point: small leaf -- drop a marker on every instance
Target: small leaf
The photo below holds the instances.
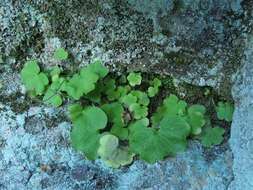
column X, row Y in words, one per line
column 212, row 136
column 134, row 79
column 33, row 79
column 196, row 118
column 53, row 93
column 60, row 54
column 152, row 91
column 156, row 83
column 55, row 72
column 142, row 97
column 171, row 106
column 129, row 99
column 225, row 111
column 113, row 155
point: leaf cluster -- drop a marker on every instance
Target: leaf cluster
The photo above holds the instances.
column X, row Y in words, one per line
column 111, row 114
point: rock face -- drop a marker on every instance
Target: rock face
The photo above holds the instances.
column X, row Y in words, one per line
column 242, row 131
column 35, row 154
column 202, row 42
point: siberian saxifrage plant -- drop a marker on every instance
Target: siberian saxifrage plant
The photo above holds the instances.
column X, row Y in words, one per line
column 111, row 115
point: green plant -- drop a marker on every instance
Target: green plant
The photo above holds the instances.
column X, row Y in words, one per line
column 87, row 123
column 225, row 111
column 112, row 116
column 212, row 136
column 134, row 79
column 33, row 79
column 154, row 89
column 113, row 154
column 154, row 144
column 60, row 54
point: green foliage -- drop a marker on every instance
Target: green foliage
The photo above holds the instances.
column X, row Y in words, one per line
column 33, row 79
column 171, row 106
column 53, row 95
column 115, row 111
column 225, row 111
column 138, row 111
column 84, row 82
column 196, row 118
column 85, row 134
column 153, row 145
column 134, row 79
column 154, row 89
column 60, row 54
column 129, row 100
column 212, row 136
column 112, row 154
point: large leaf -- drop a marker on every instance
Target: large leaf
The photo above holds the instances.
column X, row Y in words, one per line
column 153, row 145
column 85, row 133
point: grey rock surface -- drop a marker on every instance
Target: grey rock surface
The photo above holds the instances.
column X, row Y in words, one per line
column 35, row 154
column 199, row 42
column 242, row 127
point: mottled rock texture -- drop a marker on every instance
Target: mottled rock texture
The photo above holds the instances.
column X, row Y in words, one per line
column 242, row 128
column 201, row 42
column 35, row 154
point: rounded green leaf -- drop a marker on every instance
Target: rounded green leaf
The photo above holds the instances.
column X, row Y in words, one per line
column 98, row 68
column 138, row 111
column 32, row 78
column 175, row 127
column 113, row 155
column 142, row 97
column 134, row 79
column 129, row 99
column 108, row 145
column 152, row 91
column 225, row 111
column 85, row 133
column 86, row 141
column 95, row 117
column 60, row 54
column 196, row 118
column 212, row 136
